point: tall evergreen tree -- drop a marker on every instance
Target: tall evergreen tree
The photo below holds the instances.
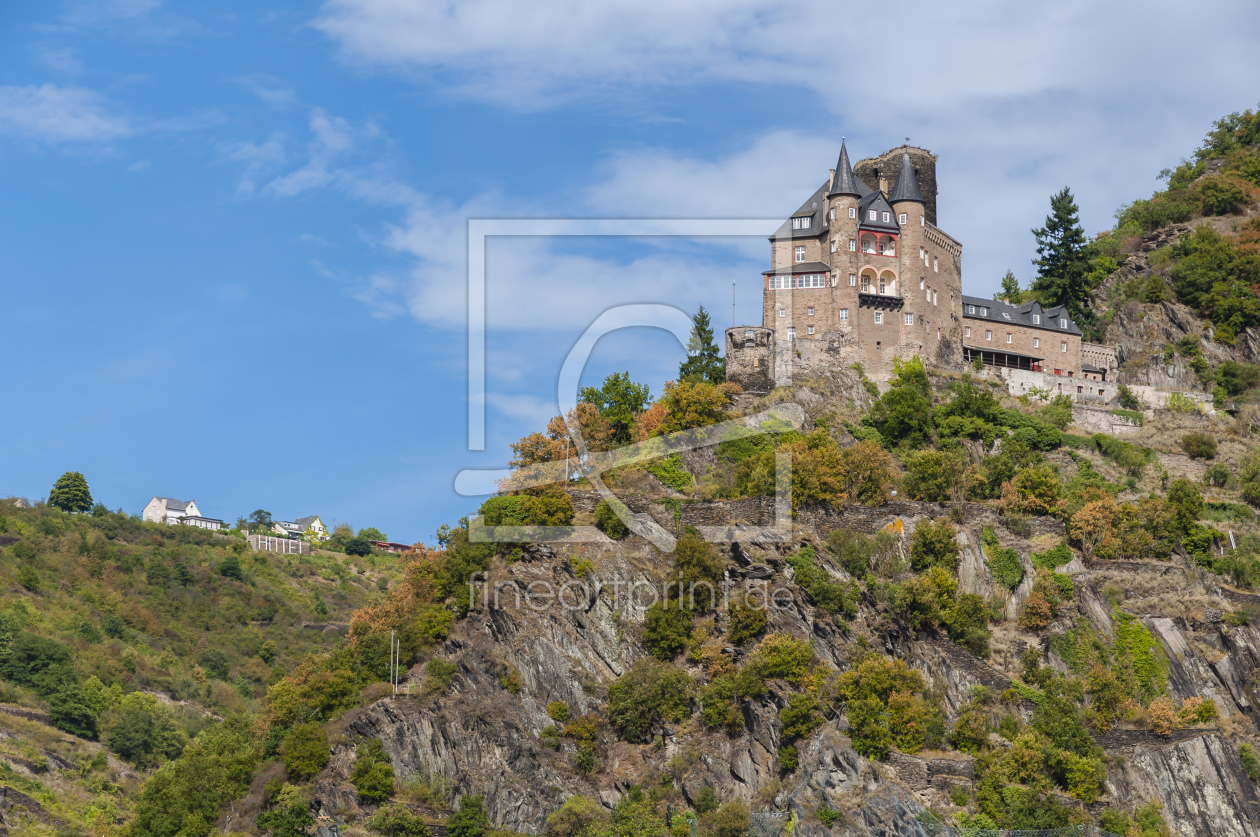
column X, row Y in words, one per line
column 703, row 364
column 1011, row 291
column 70, row 493
column 1061, row 263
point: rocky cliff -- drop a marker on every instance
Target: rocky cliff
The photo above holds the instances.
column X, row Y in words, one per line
column 487, row 738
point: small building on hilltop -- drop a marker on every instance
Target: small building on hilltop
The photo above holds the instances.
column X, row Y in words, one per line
column 170, row 511
column 304, row 528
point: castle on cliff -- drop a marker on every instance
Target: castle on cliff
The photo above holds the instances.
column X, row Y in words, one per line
column 861, row 273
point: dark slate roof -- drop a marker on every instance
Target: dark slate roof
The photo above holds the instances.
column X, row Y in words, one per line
column 1085, row 367
column 816, row 208
column 803, row 267
column 863, row 189
column 1001, row 312
column 305, row 522
column 175, row 505
column 845, row 183
column 877, row 202
column 907, row 186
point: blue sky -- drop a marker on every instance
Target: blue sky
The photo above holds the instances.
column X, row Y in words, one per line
column 232, row 235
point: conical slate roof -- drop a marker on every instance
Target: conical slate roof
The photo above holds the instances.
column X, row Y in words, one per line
column 907, row 186
column 844, row 182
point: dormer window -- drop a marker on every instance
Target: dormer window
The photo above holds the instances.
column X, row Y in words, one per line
column 971, row 309
column 801, row 223
column 887, row 215
column 1036, row 319
column 984, row 312
column 1005, row 316
column 1062, row 323
column 872, row 215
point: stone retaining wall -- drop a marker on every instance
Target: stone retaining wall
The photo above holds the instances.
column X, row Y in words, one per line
column 1127, row 739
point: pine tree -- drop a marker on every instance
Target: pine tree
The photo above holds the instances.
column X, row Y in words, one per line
column 703, row 364
column 1010, row 290
column 1061, row 262
column 70, row 493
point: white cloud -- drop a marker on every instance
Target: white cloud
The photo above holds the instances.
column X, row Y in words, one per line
column 59, row 59
column 934, row 57
column 270, row 91
column 51, row 113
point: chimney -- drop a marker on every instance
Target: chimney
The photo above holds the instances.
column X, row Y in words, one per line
column 831, row 179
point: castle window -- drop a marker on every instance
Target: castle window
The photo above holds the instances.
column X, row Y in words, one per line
column 878, row 346
column 921, row 283
column 909, row 319
column 887, row 217
column 852, row 245
column 1063, row 346
column 811, row 329
column 782, row 312
column 971, row 309
column 934, row 297
column 1036, row 342
column 750, row 340
column 936, row 265
column 844, row 314
column 887, row 245
column 967, row 329
column 779, row 283
column 872, row 215
column 801, row 223
column 984, row 312
column 879, row 318
column 852, row 279
column 853, row 212
column 1009, row 337
column 866, row 285
column 811, row 311
column 868, row 244
column 810, row 280
column 922, row 221
column 800, row 254
column 883, row 286
column 833, row 214
column 791, row 333
column 901, row 219
column 922, row 253
column 834, row 242
column 1062, row 323
column 988, row 335
column 1036, row 319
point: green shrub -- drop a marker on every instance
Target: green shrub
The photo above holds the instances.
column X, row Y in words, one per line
column 801, row 716
column 1199, row 445
column 471, row 820
column 373, row 774
column 746, row 622
column 1132, row 415
column 671, row 473
column 305, row 750
column 666, row 629
column 438, row 676
column 789, row 758
column 1052, row 558
column 931, row 475
column 706, row 800
column 935, row 544
column 290, row 819
column 558, row 711
column 1128, row 399
column 575, row 817
column 397, row 821
column 606, row 521
column 1006, row 567
column 650, row 692
column 1250, row 761
column 1217, row 475
column 833, row 597
column 780, row 656
column 143, row 730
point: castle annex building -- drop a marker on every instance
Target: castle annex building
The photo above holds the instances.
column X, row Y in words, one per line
column 861, row 273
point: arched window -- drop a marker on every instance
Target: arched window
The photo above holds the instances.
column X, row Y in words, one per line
column 887, row 245
column 888, row 283
column 868, row 243
column 867, row 277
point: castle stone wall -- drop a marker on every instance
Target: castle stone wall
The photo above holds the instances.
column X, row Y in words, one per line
column 750, row 354
column 881, row 172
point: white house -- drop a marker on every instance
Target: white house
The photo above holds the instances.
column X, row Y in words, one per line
column 304, row 528
column 169, row 511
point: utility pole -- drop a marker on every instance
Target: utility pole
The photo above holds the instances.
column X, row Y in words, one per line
column 732, row 303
